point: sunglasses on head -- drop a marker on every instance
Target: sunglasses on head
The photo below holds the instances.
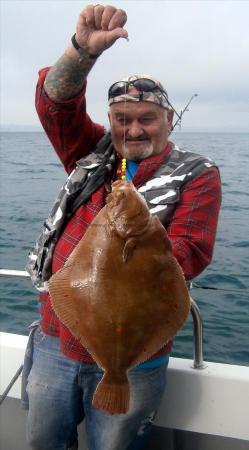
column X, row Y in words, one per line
column 141, row 84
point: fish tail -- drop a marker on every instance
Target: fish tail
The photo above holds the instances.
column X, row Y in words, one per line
column 112, row 397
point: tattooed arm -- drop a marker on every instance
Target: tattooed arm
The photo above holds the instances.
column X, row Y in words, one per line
column 97, row 29
column 60, row 92
column 66, row 78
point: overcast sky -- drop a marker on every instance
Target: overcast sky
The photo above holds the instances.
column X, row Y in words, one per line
column 190, row 46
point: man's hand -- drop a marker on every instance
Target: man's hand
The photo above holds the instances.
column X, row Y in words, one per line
column 97, row 29
column 99, row 26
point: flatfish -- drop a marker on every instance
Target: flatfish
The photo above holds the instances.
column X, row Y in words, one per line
column 121, row 293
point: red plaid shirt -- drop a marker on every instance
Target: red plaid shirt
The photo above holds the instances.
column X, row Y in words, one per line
column 192, row 229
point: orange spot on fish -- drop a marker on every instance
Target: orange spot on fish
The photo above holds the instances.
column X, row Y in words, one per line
column 119, row 329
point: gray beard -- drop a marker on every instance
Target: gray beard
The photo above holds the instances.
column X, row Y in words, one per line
column 137, row 156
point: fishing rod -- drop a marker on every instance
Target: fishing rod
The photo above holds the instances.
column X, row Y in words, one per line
column 179, row 115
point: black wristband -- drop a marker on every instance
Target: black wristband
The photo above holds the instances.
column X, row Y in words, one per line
column 81, row 50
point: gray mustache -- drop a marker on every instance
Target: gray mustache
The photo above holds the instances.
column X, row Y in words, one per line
column 137, row 139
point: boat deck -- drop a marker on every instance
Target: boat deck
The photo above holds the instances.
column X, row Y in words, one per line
column 12, row 432
column 204, row 409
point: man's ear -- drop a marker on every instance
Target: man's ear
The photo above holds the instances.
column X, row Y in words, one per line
column 170, row 116
column 109, row 117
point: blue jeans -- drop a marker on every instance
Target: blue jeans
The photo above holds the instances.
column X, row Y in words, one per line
column 60, row 392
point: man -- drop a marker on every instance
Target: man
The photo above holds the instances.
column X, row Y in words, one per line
column 183, row 189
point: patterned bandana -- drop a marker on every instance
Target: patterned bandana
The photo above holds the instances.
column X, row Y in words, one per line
column 158, row 97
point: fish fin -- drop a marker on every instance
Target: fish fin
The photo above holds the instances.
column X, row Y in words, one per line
column 63, row 302
column 129, row 247
column 112, row 398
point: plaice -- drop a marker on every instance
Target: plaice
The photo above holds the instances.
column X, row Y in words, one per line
column 121, row 293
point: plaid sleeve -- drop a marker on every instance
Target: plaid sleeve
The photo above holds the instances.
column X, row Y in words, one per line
column 67, row 125
column 192, row 230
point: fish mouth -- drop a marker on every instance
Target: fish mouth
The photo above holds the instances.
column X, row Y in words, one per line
column 115, row 198
column 131, row 218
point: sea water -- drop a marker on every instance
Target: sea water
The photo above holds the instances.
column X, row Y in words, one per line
column 31, row 176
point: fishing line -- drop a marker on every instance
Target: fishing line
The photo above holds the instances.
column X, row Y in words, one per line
column 126, row 90
column 123, row 159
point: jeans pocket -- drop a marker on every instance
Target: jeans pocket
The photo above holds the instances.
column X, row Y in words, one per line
column 39, row 337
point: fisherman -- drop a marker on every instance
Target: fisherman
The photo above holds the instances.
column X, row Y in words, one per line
column 182, row 188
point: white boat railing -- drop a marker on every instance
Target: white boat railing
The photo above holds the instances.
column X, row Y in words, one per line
column 198, row 362
column 14, row 273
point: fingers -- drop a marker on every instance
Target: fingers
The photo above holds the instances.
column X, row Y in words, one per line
column 104, row 18
column 113, row 18
column 98, row 13
column 88, row 16
column 99, row 26
column 108, row 12
column 118, row 19
column 115, row 34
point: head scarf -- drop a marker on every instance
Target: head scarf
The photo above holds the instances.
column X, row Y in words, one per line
column 159, row 97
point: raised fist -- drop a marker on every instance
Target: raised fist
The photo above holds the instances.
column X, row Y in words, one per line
column 99, row 26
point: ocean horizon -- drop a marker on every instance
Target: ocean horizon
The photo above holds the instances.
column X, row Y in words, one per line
column 14, row 128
